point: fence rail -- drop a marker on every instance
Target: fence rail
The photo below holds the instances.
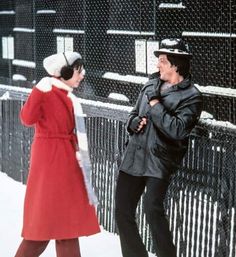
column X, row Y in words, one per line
column 200, row 203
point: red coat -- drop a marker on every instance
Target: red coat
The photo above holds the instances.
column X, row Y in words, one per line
column 56, row 203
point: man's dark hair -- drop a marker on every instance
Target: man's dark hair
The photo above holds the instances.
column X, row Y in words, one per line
column 182, row 63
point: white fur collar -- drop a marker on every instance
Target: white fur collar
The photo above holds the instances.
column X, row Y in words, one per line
column 59, row 84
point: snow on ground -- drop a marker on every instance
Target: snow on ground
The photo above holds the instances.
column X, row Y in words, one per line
column 104, row 244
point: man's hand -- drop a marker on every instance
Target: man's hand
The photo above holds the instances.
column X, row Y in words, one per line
column 153, row 97
column 142, row 124
column 153, row 102
column 137, row 124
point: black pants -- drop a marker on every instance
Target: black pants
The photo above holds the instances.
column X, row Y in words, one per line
column 128, row 192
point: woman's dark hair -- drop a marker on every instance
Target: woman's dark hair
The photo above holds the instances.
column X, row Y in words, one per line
column 182, row 63
column 77, row 64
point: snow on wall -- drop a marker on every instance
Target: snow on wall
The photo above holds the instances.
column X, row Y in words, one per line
column 172, row 6
column 27, row 30
column 45, row 11
column 24, row 63
column 206, row 118
column 7, row 12
column 208, row 34
column 68, row 31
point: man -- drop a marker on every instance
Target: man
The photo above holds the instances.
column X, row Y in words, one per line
column 159, row 125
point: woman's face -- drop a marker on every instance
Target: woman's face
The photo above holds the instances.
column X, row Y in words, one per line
column 77, row 77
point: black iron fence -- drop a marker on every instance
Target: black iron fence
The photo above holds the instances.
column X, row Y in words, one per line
column 117, row 39
column 200, row 203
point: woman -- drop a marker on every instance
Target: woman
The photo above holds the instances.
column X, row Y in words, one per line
column 56, row 202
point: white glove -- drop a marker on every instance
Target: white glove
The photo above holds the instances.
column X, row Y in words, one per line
column 44, row 85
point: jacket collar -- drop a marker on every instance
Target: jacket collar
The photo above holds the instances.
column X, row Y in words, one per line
column 59, row 84
column 182, row 85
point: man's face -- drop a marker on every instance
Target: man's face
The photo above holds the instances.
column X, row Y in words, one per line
column 166, row 69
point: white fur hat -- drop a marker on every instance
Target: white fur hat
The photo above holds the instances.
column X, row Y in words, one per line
column 54, row 63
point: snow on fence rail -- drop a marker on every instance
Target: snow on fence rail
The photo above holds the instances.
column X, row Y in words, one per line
column 200, row 203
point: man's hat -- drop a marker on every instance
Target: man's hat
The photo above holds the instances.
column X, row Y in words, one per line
column 173, row 46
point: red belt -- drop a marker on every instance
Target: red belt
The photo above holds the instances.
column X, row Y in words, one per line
column 72, row 137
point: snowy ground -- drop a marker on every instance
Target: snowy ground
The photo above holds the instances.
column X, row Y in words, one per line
column 104, row 244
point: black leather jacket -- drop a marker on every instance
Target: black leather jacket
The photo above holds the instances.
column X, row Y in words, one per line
column 159, row 150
